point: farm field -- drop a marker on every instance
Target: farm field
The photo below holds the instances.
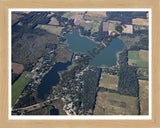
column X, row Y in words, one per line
column 87, row 25
column 68, row 15
column 53, row 21
column 78, row 19
column 17, row 68
column 51, row 29
column 143, row 54
column 108, row 103
column 140, row 21
column 19, row 85
column 50, row 14
column 105, row 26
column 133, row 55
column 111, row 27
column 96, row 14
column 138, row 58
column 109, row 81
column 128, row 29
column 16, row 17
column 95, row 27
column 143, row 94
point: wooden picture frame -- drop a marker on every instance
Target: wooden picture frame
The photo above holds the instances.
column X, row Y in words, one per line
column 4, row 63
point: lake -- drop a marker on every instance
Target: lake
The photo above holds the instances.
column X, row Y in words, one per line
column 51, row 79
column 107, row 56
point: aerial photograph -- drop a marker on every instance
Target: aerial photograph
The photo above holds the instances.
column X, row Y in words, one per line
column 79, row 63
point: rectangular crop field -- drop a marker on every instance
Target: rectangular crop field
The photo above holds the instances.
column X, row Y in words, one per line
column 143, row 54
column 134, row 55
column 19, row 85
column 143, row 94
column 109, row 81
column 108, row 103
column 138, row 58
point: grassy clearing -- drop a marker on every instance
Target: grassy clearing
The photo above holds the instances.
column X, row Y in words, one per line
column 67, row 15
column 137, row 58
column 109, row 81
column 87, row 26
column 143, row 94
column 112, row 27
column 51, row 29
column 134, row 55
column 95, row 27
column 115, row 104
column 142, row 64
column 63, row 55
column 138, row 63
column 19, row 85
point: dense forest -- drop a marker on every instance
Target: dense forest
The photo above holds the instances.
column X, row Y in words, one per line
column 142, row 44
column 125, row 17
column 128, row 82
column 89, row 90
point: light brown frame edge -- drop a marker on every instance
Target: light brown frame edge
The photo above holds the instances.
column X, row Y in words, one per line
column 6, row 4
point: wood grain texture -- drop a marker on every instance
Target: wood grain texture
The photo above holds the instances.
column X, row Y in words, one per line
column 6, row 4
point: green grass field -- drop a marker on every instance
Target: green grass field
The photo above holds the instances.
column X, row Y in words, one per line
column 19, row 85
column 112, row 27
column 133, row 55
column 95, row 27
column 134, row 59
column 67, row 15
column 142, row 63
column 51, row 29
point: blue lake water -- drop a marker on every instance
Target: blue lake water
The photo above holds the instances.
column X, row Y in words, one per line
column 51, row 79
column 107, row 56
column 77, row 43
